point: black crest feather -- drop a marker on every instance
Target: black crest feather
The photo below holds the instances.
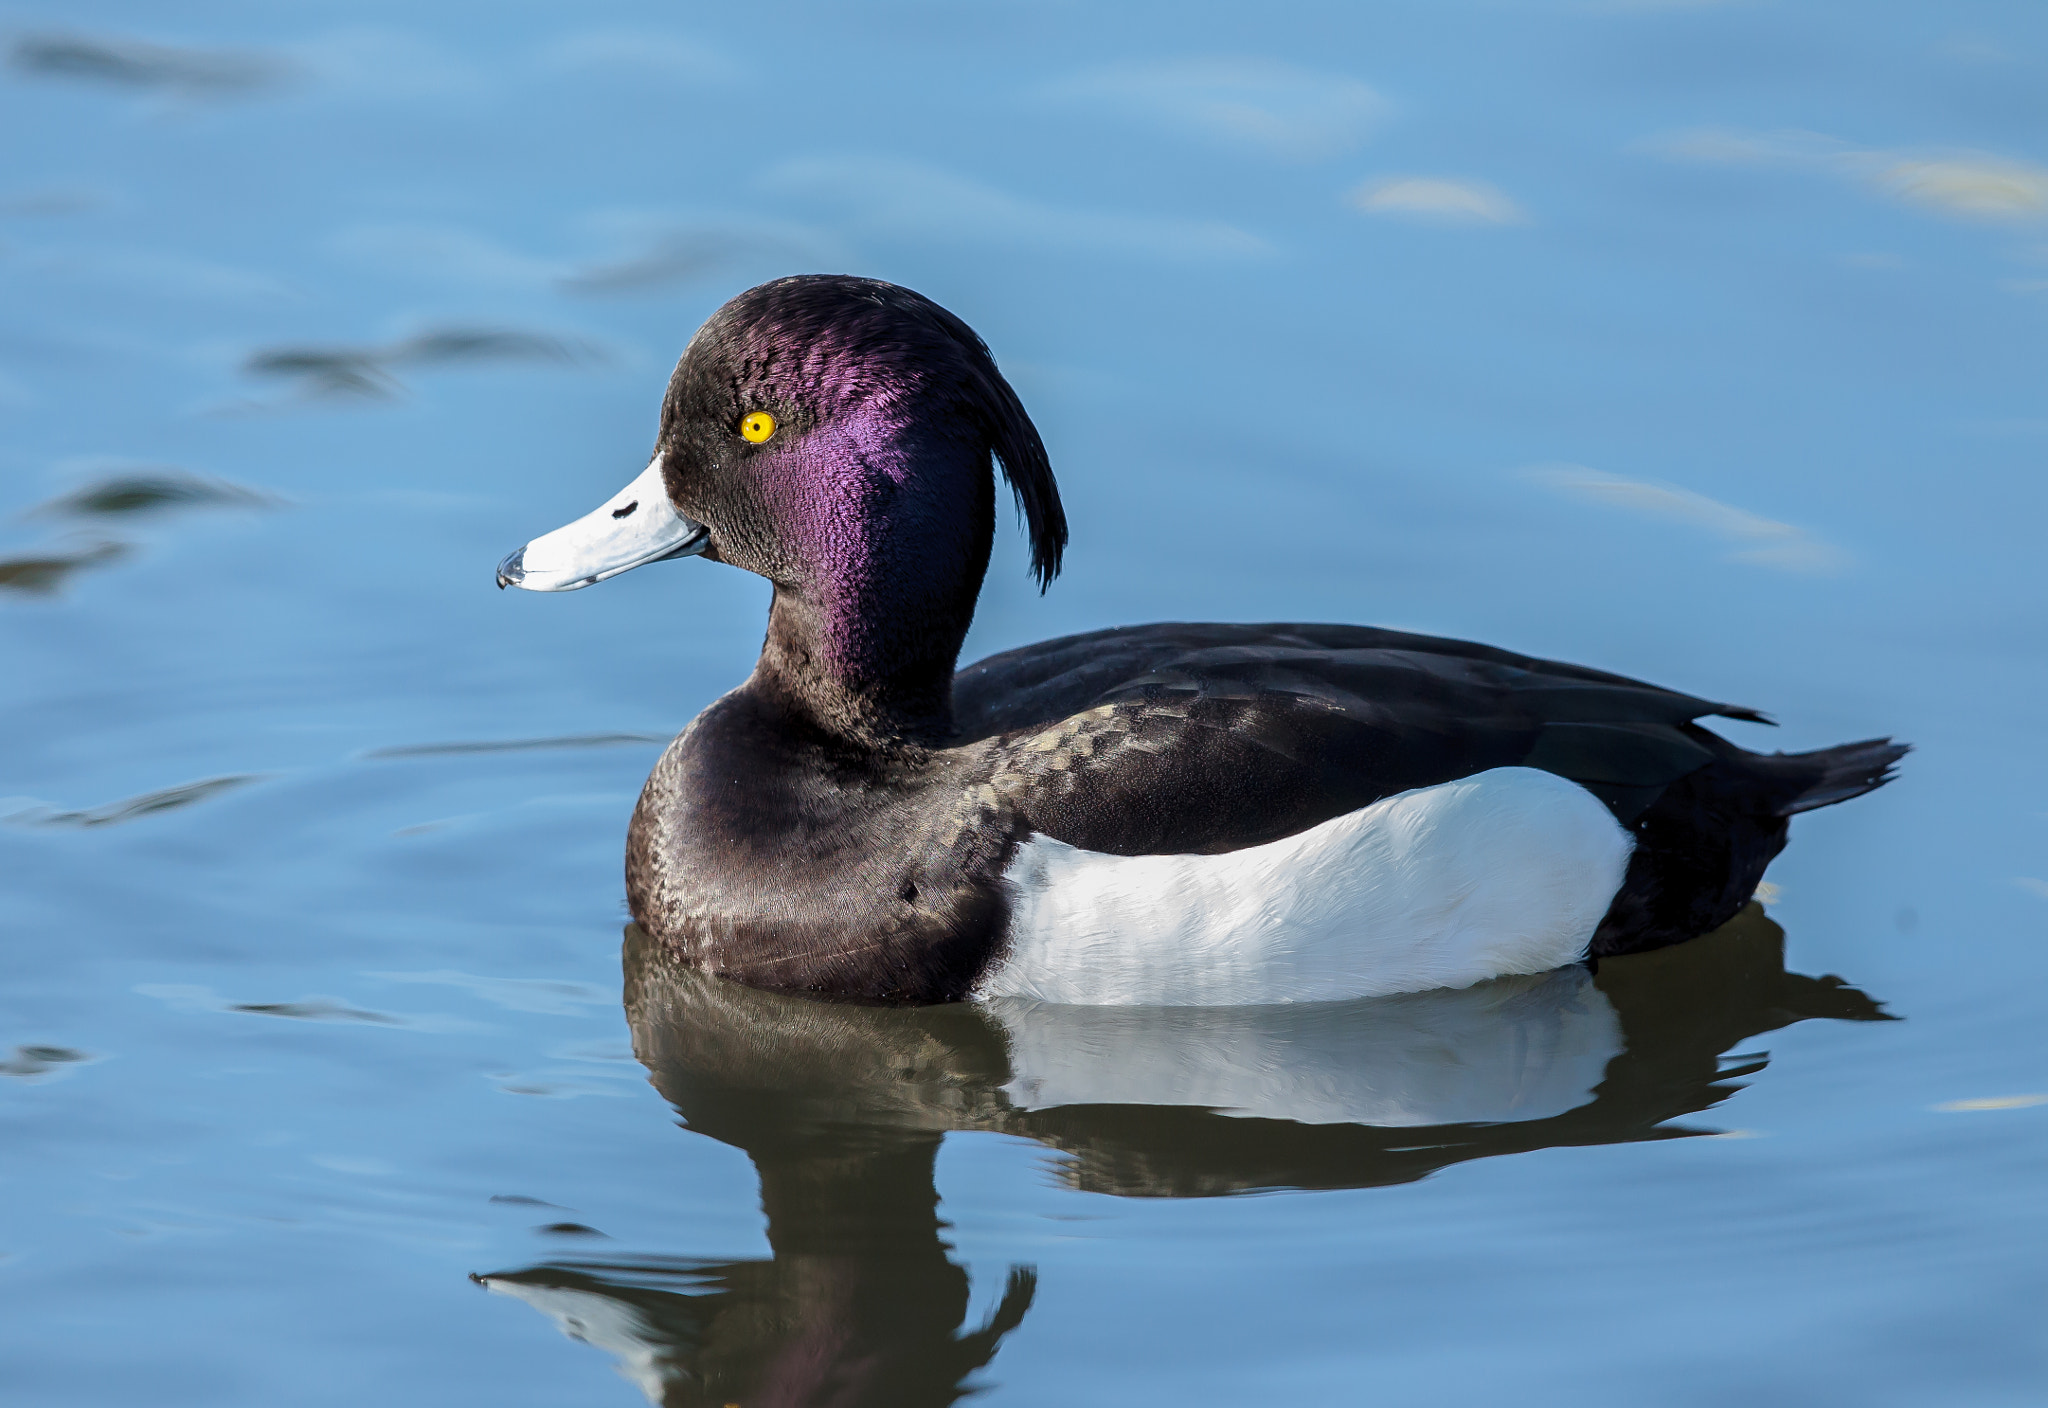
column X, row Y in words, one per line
column 1014, row 439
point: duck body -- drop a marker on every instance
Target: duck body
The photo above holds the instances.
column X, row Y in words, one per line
column 1112, row 823
column 1207, row 814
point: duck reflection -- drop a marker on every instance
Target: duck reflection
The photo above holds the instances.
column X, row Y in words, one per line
column 842, row 1109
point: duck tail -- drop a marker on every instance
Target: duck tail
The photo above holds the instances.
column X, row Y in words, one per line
column 1831, row 775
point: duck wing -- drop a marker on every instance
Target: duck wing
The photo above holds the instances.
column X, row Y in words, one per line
column 1211, row 737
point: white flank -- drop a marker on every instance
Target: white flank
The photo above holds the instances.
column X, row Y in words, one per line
column 1520, row 1048
column 1507, row 871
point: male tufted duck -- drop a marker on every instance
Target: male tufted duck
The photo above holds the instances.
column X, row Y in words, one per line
column 1168, row 814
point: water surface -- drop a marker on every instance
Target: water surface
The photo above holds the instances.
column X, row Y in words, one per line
column 1700, row 342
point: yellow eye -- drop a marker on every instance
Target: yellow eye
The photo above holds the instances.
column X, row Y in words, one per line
column 757, row 427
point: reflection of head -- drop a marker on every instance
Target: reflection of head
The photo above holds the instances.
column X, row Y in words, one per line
column 842, row 1108
column 701, row 1334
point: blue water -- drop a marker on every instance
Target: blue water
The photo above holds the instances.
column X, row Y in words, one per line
column 1700, row 342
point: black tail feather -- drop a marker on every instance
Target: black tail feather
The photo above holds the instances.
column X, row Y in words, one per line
column 1843, row 772
column 1702, row 846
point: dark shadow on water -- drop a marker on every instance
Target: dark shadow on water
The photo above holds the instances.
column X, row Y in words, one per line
column 136, row 63
column 314, row 1009
column 151, row 490
column 35, row 1062
column 132, row 494
column 42, row 573
column 370, row 371
column 842, row 1109
column 129, row 808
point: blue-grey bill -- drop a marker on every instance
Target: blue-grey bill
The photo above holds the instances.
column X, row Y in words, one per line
column 634, row 527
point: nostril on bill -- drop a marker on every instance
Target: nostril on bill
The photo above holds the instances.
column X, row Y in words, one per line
column 622, row 512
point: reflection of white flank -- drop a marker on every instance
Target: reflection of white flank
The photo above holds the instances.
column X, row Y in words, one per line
column 614, row 1326
column 1518, row 1048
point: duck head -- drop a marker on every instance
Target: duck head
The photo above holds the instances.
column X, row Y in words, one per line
column 834, row 435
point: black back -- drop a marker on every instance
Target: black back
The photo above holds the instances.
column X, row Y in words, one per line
column 1223, row 736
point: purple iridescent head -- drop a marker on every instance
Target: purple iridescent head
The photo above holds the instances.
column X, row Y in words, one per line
column 836, row 436
column 886, row 409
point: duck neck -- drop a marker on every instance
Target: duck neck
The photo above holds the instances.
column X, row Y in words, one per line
column 892, row 534
column 876, row 687
column 867, row 657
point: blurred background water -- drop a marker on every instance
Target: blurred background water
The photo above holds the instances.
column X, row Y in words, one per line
column 1702, row 342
